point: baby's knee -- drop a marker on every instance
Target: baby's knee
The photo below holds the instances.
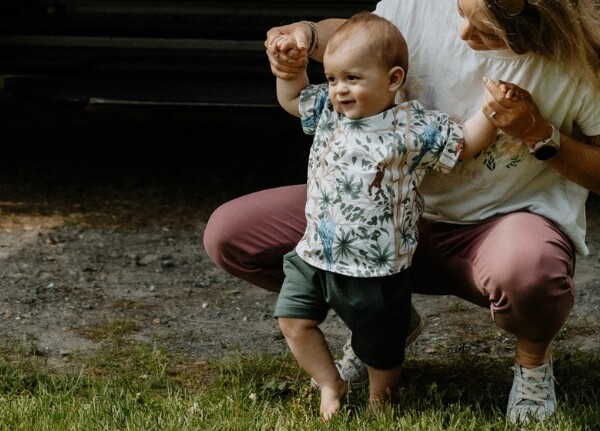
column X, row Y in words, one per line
column 293, row 328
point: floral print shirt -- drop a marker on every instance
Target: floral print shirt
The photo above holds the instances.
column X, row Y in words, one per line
column 363, row 201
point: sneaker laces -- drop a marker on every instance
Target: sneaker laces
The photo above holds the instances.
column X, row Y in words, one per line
column 532, row 386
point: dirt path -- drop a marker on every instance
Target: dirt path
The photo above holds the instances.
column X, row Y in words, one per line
column 101, row 220
column 67, row 283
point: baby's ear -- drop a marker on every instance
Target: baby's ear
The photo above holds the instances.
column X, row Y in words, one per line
column 396, row 78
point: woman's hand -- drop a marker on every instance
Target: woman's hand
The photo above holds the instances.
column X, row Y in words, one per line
column 512, row 110
column 286, row 49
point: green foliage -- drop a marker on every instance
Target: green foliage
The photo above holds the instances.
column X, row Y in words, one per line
column 134, row 387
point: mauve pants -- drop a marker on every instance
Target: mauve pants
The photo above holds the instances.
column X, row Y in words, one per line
column 519, row 265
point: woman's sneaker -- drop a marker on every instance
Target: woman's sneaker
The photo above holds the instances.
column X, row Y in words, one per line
column 532, row 395
column 354, row 371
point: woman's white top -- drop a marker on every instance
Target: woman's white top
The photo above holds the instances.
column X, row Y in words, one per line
column 446, row 75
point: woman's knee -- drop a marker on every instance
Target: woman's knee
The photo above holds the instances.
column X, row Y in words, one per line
column 529, row 276
column 248, row 236
column 532, row 259
column 220, row 233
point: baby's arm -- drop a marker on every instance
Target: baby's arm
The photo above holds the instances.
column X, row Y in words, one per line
column 288, row 90
column 478, row 133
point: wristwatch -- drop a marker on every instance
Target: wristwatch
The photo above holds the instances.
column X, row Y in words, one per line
column 547, row 148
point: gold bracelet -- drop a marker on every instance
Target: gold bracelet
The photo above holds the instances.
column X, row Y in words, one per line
column 314, row 38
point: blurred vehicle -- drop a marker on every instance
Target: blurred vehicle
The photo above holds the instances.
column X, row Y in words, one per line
column 148, row 52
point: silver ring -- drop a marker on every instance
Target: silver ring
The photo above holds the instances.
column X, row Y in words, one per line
column 491, row 114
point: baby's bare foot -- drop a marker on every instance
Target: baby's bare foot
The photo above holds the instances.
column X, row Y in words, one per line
column 378, row 405
column 331, row 397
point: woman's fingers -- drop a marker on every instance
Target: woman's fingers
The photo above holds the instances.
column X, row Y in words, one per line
column 296, row 34
column 496, row 91
column 511, row 108
column 285, row 67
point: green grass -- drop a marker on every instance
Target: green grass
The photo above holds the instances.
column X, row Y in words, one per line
column 134, row 387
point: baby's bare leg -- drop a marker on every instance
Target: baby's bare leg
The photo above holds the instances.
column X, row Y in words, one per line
column 308, row 345
column 382, row 384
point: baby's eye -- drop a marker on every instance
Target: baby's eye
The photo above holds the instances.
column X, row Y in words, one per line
column 352, row 78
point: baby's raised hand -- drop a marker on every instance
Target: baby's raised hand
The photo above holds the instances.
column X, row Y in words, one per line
column 284, row 43
column 510, row 108
column 513, row 92
column 286, row 58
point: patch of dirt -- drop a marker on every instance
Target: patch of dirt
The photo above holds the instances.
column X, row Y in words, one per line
column 82, row 260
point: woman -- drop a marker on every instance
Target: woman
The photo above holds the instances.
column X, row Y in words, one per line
column 501, row 231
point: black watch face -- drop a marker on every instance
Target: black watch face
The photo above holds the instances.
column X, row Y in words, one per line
column 546, row 152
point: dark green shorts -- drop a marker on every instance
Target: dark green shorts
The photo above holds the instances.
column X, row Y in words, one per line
column 376, row 310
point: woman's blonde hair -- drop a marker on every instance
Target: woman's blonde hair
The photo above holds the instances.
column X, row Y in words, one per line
column 563, row 31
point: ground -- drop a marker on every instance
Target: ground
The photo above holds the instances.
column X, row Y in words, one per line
column 101, row 220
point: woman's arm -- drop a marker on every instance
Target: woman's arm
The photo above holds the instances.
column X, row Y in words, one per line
column 578, row 161
column 325, row 29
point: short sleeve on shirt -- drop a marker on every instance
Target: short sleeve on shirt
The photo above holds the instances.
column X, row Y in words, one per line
column 312, row 102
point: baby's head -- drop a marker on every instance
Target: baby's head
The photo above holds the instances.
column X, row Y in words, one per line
column 382, row 40
column 365, row 64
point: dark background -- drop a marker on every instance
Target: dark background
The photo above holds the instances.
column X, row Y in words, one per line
column 56, row 156
column 151, row 103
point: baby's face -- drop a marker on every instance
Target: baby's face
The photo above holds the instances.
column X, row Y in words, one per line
column 358, row 86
